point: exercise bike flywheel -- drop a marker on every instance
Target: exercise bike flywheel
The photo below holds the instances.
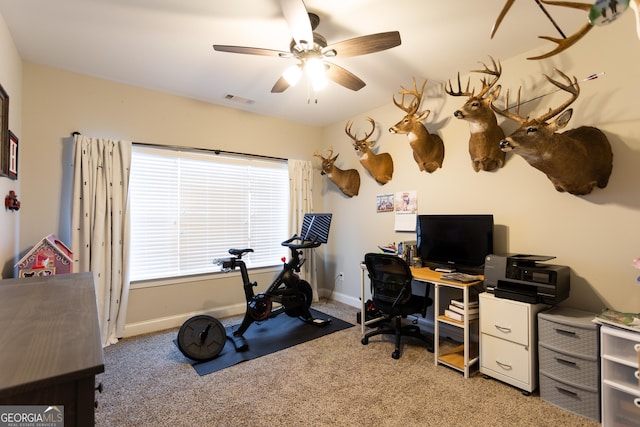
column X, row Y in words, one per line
column 201, row 338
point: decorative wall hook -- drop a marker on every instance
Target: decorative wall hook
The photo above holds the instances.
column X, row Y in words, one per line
column 11, row 201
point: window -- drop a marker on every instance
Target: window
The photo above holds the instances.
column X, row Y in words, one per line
column 188, row 208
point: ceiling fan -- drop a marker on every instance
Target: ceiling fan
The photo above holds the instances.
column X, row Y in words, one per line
column 311, row 52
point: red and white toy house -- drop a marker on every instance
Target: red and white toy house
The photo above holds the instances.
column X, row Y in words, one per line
column 50, row 256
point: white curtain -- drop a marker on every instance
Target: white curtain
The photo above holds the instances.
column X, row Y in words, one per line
column 301, row 202
column 100, row 226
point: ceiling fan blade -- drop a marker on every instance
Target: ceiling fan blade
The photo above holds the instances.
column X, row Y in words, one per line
column 365, row 44
column 344, row 78
column 252, row 51
column 295, row 13
column 280, row 86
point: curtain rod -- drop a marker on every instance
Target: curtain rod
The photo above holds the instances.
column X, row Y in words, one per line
column 206, row 150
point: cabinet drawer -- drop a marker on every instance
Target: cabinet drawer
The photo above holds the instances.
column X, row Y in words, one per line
column 573, row 370
column 504, row 319
column 621, row 346
column 621, row 409
column 623, row 375
column 570, row 397
column 568, row 338
column 506, row 358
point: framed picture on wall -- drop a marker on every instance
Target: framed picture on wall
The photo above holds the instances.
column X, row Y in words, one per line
column 13, row 156
column 4, row 132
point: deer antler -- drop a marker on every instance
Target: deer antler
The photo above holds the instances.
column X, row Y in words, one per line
column 413, row 107
column 355, row 138
column 572, row 87
column 496, row 72
column 505, row 112
column 564, row 44
column 459, row 92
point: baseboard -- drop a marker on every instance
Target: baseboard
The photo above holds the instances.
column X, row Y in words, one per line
column 176, row 321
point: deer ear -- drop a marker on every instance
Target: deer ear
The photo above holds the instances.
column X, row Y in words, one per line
column 422, row 116
column 335, row 157
column 562, row 120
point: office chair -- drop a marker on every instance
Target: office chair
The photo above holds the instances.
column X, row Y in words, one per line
column 391, row 293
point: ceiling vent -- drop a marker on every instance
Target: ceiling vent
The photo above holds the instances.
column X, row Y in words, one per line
column 239, row 99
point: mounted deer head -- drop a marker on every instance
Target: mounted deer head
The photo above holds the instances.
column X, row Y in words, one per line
column 348, row 181
column 486, row 134
column 576, row 160
column 566, row 42
column 428, row 149
column 379, row 166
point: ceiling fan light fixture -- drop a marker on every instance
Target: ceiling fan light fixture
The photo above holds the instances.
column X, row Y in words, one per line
column 315, row 70
column 292, row 74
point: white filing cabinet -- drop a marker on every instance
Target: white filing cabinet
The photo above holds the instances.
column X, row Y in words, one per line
column 620, row 388
column 508, row 341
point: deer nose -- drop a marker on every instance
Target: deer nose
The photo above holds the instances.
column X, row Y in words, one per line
column 504, row 145
column 458, row 114
column 392, row 130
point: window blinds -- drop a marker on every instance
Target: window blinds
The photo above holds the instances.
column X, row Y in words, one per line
column 188, row 208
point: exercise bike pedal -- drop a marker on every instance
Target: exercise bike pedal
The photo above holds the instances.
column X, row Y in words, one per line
column 318, row 322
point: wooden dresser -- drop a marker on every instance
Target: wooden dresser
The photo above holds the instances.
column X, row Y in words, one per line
column 50, row 347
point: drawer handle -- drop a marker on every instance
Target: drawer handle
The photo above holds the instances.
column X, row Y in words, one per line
column 637, row 348
column 636, row 402
column 504, row 365
column 502, row 328
column 565, row 391
column 637, row 375
column 564, row 331
column 565, row 361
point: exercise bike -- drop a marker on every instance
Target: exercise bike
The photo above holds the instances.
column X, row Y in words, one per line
column 203, row 337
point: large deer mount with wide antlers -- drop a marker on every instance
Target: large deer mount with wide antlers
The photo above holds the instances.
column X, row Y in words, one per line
column 486, row 134
column 428, row 149
column 347, row 180
column 575, row 160
column 379, row 166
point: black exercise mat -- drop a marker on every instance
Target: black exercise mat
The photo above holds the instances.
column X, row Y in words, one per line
column 269, row 336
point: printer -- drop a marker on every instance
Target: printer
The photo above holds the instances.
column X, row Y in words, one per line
column 526, row 278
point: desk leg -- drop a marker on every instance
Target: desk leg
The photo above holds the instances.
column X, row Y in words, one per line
column 465, row 331
column 436, row 326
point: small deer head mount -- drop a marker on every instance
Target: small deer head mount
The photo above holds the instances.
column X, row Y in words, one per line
column 486, row 134
column 348, row 181
column 574, row 161
column 428, row 149
column 379, row 166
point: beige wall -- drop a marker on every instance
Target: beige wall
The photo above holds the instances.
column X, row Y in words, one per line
column 11, row 81
column 596, row 235
column 58, row 103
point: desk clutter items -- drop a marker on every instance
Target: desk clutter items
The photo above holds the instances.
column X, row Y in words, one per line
column 456, row 310
column 48, row 257
column 629, row 321
column 456, row 276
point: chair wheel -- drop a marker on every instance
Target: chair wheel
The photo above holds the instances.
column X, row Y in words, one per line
column 364, row 341
column 395, row 355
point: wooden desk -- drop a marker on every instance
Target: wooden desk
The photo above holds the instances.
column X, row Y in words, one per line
column 50, row 347
column 465, row 355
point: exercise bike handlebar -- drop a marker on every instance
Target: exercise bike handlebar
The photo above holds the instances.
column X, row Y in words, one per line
column 304, row 244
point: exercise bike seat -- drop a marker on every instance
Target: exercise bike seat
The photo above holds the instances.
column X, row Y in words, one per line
column 239, row 252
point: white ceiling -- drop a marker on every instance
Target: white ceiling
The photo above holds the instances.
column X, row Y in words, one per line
column 166, row 45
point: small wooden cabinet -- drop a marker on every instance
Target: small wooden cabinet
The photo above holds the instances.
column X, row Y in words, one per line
column 50, row 347
column 508, row 341
column 620, row 351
